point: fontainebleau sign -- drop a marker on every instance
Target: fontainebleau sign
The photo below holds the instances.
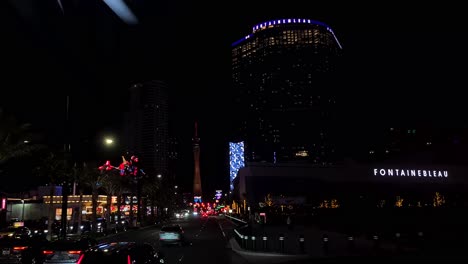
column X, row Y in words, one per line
column 411, row 173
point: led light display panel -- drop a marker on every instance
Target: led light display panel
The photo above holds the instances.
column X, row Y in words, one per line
column 236, row 160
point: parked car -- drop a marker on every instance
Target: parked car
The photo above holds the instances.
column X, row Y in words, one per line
column 16, row 232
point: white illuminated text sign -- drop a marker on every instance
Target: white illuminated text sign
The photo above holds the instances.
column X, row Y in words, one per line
column 411, row 173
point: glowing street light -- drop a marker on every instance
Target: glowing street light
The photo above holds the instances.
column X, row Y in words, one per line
column 108, row 141
column 159, row 176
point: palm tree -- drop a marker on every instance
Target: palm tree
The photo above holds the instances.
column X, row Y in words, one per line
column 122, row 188
column 80, row 181
column 15, row 138
column 152, row 189
column 55, row 170
column 112, row 185
column 94, row 179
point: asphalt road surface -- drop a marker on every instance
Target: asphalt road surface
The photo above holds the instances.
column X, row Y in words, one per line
column 207, row 241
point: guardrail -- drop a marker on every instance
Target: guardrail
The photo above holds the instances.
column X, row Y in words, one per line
column 236, row 219
column 282, row 243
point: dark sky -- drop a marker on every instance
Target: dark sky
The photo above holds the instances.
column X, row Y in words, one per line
column 401, row 62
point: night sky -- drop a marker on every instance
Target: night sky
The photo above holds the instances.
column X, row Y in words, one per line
column 401, row 63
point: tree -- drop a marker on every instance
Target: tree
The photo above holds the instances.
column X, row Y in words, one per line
column 80, row 178
column 152, row 188
column 15, row 138
column 55, row 170
column 438, row 200
column 269, row 200
column 94, row 179
column 112, row 185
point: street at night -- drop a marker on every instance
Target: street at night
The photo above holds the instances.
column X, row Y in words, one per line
column 206, row 241
column 142, row 131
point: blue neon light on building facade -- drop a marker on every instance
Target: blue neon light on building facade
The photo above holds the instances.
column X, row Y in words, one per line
column 236, row 160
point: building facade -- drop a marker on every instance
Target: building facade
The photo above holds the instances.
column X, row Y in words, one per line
column 147, row 126
column 352, row 186
column 282, row 76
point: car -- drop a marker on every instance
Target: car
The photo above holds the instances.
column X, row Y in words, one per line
column 171, row 234
column 20, row 250
column 122, row 252
column 7, row 232
column 65, row 251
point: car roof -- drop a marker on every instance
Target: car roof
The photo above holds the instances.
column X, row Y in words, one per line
column 112, row 246
column 115, row 252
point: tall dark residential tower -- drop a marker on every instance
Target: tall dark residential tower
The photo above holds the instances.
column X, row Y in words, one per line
column 197, row 188
column 173, row 157
column 282, row 75
column 147, row 127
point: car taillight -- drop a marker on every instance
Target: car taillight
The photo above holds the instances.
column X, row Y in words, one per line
column 74, row 252
column 19, row 248
column 47, row 252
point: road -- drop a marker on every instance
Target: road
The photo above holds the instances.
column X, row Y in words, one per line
column 207, row 241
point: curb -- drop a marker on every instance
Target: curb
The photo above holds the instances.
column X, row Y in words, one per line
column 236, row 248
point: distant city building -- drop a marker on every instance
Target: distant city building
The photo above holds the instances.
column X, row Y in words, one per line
column 173, row 157
column 146, row 126
column 284, row 103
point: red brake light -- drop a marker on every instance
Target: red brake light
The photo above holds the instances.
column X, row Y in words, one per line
column 47, row 252
column 19, row 248
column 74, row 252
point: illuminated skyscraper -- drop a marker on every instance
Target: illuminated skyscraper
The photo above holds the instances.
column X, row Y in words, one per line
column 147, row 126
column 283, row 76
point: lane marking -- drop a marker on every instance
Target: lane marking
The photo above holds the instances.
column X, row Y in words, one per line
column 222, row 231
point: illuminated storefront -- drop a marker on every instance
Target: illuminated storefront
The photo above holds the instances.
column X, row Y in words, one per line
column 86, row 206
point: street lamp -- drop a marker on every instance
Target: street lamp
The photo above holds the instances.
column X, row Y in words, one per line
column 159, row 176
column 108, row 141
